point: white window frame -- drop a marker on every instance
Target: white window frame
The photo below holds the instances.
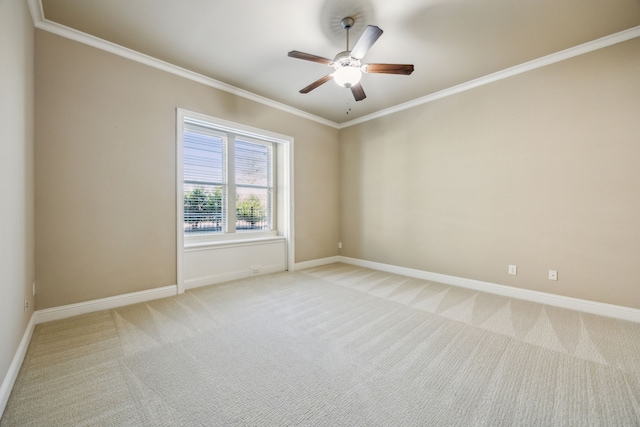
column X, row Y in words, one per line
column 283, row 226
column 229, row 138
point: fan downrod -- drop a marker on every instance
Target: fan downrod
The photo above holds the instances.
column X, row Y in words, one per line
column 347, row 23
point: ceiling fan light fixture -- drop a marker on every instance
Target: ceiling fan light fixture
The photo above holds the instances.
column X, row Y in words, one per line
column 347, row 76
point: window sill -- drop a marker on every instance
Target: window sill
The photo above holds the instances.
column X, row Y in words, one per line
column 249, row 241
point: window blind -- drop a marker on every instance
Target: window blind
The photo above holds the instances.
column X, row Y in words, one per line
column 205, row 184
column 228, row 181
column 253, row 185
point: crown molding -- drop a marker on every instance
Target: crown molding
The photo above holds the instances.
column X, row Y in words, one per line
column 39, row 21
column 37, row 13
column 591, row 46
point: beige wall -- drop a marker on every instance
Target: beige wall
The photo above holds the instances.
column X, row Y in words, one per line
column 537, row 170
column 16, row 177
column 541, row 170
column 105, row 171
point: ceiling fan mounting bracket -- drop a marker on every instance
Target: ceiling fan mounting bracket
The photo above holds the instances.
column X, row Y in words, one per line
column 347, row 22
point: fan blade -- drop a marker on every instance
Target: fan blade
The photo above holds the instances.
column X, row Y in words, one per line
column 405, row 69
column 309, row 57
column 366, row 40
column 358, row 92
column 317, row 83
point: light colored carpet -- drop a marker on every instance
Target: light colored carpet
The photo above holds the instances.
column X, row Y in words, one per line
column 331, row 346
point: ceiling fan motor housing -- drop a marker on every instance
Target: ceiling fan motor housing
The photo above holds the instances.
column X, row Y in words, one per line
column 344, row 59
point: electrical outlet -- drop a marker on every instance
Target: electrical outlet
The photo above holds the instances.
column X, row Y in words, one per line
column 255, row 270
column 553, row 275
column 513, row 269
column 26, row 304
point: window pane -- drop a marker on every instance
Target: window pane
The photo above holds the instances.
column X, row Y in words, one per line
column 203, row 209
column 253, row 164
column 253, row 186
column 203, row 157
column 204, row 181
column 253, row 208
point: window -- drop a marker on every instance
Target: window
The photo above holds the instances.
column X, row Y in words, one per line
column 234, row 200
column 228, row 180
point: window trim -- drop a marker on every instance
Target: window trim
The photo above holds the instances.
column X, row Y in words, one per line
column 283, row 224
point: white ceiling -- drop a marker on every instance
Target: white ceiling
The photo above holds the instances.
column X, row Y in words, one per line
column 244, row 43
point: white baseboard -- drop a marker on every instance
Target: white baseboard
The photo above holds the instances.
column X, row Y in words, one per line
column 56, row 313
column 16, row 364
column 227, row 277
column 316, row 262
column 593, row 307
column 62, row 312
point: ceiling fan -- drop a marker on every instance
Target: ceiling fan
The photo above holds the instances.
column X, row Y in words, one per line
column 348, row 65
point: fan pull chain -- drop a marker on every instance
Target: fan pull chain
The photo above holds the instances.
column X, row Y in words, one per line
column 348, row 103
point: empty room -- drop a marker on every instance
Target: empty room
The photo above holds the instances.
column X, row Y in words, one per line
column 320, row 213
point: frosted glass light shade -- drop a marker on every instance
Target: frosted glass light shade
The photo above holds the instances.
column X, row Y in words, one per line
column 347, row 76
